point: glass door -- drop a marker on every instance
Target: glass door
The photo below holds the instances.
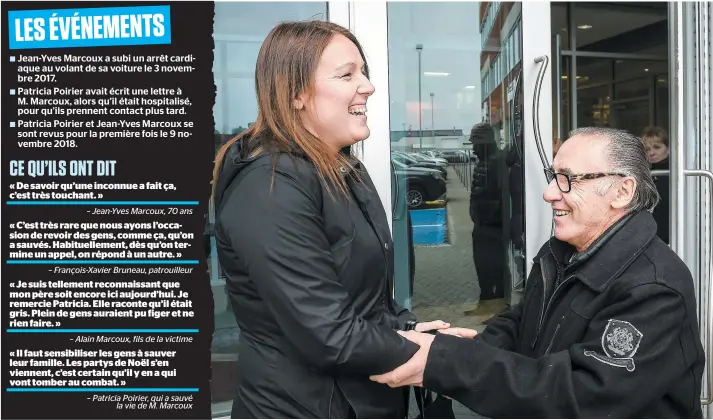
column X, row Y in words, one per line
column 452, row 149
column 691, row 102
column 612, row 70
column 239, row 30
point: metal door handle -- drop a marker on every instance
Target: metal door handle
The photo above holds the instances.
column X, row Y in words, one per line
column 513, row 111
column 709, row 315
column 536, row 109
column 396, row 199
column 558, row 88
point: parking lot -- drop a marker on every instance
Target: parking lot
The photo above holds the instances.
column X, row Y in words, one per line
column 446, row 283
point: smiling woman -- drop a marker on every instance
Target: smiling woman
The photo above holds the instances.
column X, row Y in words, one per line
column 337, row 103
column 239, row 29
column 308, row 99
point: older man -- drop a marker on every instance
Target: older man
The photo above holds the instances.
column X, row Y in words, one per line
column 607, row 326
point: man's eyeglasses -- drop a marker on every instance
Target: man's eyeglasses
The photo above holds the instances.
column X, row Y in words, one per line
column 564, row 181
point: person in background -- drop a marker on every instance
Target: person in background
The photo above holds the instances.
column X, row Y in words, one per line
column 656, row 141
column 608, row 327
column 516, row 183
column 486, row 212
column 304, row 241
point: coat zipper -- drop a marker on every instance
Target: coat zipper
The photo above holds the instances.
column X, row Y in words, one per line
column 331, row 397
column 335, row 384
column 549, row 346
column 384, row 250
column 547, row 308
column 544, row 298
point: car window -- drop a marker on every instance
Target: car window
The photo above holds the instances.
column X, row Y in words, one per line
column 399, row 164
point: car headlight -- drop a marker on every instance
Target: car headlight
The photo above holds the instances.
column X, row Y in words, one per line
column 436, row 175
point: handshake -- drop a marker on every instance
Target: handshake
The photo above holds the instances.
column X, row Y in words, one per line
column 411, row 373
column 442, row 327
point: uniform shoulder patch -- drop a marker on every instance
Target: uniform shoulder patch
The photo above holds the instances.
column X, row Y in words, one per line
column 620, row 342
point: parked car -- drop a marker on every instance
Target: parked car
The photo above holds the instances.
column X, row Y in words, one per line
column 418, row 157
column 414, row 163
column 422, row 184
column 458, row 156
column 428, row 158
column 434, row 153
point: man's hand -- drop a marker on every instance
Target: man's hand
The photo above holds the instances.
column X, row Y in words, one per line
column 410, row 373
column 459, row 332
column 432, row 325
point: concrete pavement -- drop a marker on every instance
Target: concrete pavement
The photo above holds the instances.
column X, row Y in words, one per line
column 446, row 284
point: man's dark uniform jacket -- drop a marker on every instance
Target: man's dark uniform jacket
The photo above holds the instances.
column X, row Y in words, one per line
column 611, row 332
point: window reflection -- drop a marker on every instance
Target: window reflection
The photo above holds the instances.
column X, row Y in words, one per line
column 622, row 93
column 462, row 137
column 619, row 53
column 620, row 28
column 559, row 22
column 593, row 104
column 561, row 116
column 239, row 30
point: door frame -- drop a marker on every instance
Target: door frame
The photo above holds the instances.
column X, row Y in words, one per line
column 691, row 102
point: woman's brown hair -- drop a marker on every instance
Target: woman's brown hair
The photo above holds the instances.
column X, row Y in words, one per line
column 285, row 68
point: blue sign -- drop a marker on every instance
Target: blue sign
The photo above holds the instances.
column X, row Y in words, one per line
column 96, row 27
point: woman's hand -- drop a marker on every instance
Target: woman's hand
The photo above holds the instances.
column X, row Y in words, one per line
column 432, row 325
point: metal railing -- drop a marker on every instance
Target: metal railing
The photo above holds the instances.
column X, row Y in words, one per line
column 464, row 167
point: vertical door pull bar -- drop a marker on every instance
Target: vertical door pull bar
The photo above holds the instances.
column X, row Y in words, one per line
column 536, row 109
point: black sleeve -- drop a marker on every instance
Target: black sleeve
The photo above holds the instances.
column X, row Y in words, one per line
column 207, row 232
column 581, row 381
column 279, row 230
column 402, row 314
column 502, row 330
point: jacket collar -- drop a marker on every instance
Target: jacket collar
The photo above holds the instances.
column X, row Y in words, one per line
column 355, row 166
column 610, row 254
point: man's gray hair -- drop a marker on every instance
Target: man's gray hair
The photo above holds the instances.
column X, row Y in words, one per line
column 626, row 154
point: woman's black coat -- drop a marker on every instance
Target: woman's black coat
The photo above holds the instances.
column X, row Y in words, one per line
column 310, row 279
